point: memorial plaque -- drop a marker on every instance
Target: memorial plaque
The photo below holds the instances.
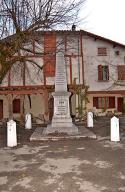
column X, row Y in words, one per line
column 61, row 108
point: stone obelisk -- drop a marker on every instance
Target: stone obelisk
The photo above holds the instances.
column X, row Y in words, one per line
column 61, row 121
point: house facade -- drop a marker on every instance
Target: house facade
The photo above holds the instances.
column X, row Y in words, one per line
column 104, row 73
column 91, row 61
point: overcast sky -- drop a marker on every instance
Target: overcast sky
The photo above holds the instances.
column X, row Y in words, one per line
column 105, row 18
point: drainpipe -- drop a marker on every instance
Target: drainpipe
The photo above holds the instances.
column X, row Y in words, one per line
column 78, row 61
column 81, row 42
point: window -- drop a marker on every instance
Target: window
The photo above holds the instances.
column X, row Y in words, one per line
column 16, row 106
column 121, row 72
column 102, row 51
column 103, row 73
column 104, row 102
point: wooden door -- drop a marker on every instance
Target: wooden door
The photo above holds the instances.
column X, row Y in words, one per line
column 1, row 109
column 51, row 108
column 16, row 106
column 120, row 104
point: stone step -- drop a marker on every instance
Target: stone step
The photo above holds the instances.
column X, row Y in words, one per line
column 82, row 134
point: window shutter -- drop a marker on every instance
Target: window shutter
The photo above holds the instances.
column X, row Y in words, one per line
column 121, row 72
column 100, row 72
column 95, row 102
column 102, row 51
column 111, row 102
column 50, row 54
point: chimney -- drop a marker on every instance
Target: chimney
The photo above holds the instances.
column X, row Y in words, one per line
column 73, row 27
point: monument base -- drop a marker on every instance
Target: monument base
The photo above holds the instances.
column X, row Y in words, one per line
column 62, row 122
column 72, row 130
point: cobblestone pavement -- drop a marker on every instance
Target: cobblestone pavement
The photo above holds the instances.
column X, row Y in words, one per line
column 84, row 165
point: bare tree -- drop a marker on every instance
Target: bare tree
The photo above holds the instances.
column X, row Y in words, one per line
column 21, row 19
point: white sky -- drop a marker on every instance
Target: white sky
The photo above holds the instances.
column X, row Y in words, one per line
column 105, row 18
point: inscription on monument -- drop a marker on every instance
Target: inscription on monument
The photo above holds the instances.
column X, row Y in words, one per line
column 61, row 107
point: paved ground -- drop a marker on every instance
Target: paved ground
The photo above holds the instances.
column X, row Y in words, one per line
column 84, row 165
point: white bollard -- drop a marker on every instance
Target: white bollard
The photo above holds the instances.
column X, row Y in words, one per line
column 115, row 129
column 28, row 123
column 11, row 134
column 89, row 119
